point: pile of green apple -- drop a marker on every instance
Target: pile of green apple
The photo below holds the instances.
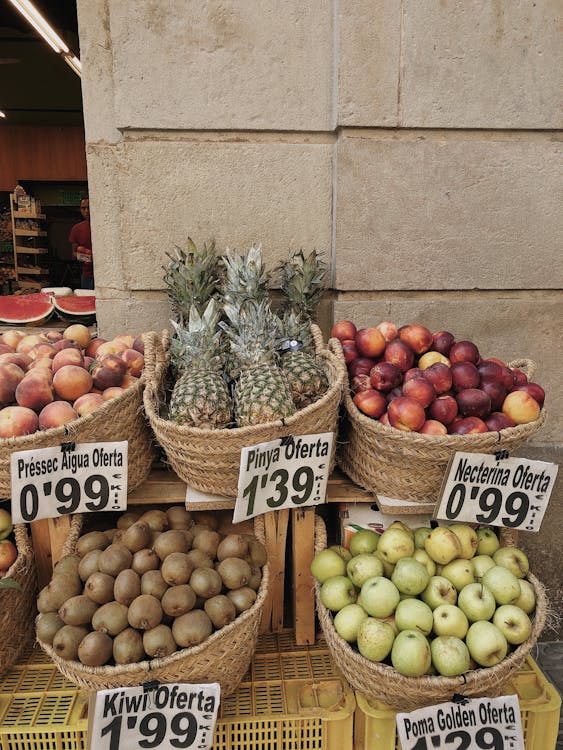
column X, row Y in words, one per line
column 428, row 601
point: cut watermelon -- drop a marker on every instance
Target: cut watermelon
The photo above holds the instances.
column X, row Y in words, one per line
column 26, row 309
column 80, row 309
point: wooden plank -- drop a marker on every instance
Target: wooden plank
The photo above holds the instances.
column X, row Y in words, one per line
column 303, row 531
column 41, row 539
column 58, row 531
column 276, row 524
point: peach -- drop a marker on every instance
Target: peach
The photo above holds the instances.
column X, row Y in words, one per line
column 499, row 421
column 66, row 344
column 439, row 376
column 42, row 351
column 112, row 392
column 467, row 426
column 87, row 403
column 125, row 338
column 88, row 362
column 433, row 427
column 418, row 337
column 360, row 383
column 444, row 409
column 400, row 354
column 464, row 375
column 8, row 554
column 496, row 392
column 68, row 357
column 139, row 344
column 72, row 381
column 53, row 336
column 10, row 377
column 464, row 351
column 371, row 403
column 442, row 342
column 507, row 377
column 431, row 358
column 28, row 342
column 34, row 392
column 534, row 389
column 385, row 376
column 21, row 360
column 370, row 342
column 490, row 372
column 384, row 419
column 134, row 361
column 421, row 390
column 521, row 407
column 520, row 377
column 343, row 330
column 56, row 415
column 473, row 402
column 360, row 366
column 93, row 346
column 129, row 380
column 110, row 347
column 113, row 362
column 389, row 330
column 497, row 360
column 414, row 372
column 5, row 349
column 349, row 350
column 406, row 414
column 79, row 333
column 17, row 420
column 12, row 338
column 394, row 393
column 45, row 363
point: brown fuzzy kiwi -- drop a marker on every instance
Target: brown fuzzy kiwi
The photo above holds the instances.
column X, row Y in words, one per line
column 207, row 541
column 89, row 564
column 179, row 517
column 78, row 610
column 128, row 647
column 145, row 559
column 114, row 535
column 47, row 625
column 159, row 642
column 90, row 541
column 257, row 554
column 176, row 568
column 67, row 640
column 114, row 559
column 220, row 610
column 192, row 628
column 234, row 572
column 199, row 558
column 145, row 612
column 207, row 518
column 178, row 600
column 95, row 649
column 153, row 583
column 137, row 536
column 57, row 591
column 111, row 618
column 99, row 587
column 255, row 577
column 169, row 542
column 127, row 519
column 156, row 519
column 233, row 545
column 127, row 586
column 68, row 565
column 206, row 582
column 242, row 598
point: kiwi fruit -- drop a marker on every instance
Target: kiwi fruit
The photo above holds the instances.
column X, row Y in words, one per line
column 255, row 577
column 114, row 559
column 145, row 612
column 169, row 542
column 89, row 564
column 90, row 541
column 67, row 640
column 153, row 583
column 145, row 559
column 159, row 641
column 207, row 541
column 127, row 519
column 233, row 545
column 257, row 554
column 157, row 520
column 210, row 520
column 78, row 610
column 114, row 535
column 57, row 591
column 220, row 610
column 95, row 649
column 206, row 582
column 127, row 586
column 68, row 565
column 99, row 587
column 111, row 618
column 199, row 558
column 192, row 628
column 176, row 568
column 137, row 536
column 128, row 647
column 234, row 572
column 178, row 517
column 48, row 624
column 242, row 598
column 178, row 600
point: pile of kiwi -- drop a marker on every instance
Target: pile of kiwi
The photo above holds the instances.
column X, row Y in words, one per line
column 159, row 582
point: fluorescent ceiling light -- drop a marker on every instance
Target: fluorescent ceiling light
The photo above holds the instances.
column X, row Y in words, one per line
column 40, row 24
column 72, row 61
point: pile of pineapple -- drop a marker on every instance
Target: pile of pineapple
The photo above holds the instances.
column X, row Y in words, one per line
column 234, row 362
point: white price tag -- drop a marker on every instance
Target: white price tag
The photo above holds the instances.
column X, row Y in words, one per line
column 285, row 473
column 475, row 724
column 70, row 478
column 166, row 717
column 511, row 492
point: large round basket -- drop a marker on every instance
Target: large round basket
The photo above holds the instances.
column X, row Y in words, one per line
column 117, row 420
column 17, row 606
column 383, row 683
column 408, row 466
column 209, row 460
column 224, row 657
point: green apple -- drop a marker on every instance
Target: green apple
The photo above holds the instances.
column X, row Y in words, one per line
column 420, row 534
column 450, row 620
column 527, row 598
column 488, row 542
column 480, row 564
column 364, row 540
column 326, row 564
column 513, row 622
column 6, row 525
column 410, row 576
column 395, row 543
column 414, row 614
column 344, row 553
column 423, row 557
column 467, row 538
column 403, row 526
column 514, row 559
column 348, row 620
column 503, row 584
column 375, row 639
column 459, row 572
column 410, row 654
column 450, row 655
column 337, row 592
column 486, row 643
column 442, row 545
column 439, row 591
column 363, row 566
column 477, row 602
column 379, row 596
column 388, row 567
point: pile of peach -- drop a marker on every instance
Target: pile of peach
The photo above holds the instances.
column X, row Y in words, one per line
column 49, row 379
column 416, row 381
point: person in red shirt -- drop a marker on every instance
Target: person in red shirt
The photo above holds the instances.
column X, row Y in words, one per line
column 81, row 241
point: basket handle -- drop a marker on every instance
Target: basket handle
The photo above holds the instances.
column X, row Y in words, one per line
column 528, row 366
column 155, row 357
column 318, row 340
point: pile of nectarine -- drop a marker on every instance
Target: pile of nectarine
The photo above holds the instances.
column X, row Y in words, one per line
column 49, row 379
column 414, row 380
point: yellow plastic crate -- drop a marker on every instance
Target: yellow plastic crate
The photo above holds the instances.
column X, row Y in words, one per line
column 292, row 698
column 540, row 703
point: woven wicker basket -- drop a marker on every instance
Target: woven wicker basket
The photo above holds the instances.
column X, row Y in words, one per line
column 209, row 460
column 383, row 683
column 224, row 657
column 119, row 419
column 409, row 466
column 18, row 606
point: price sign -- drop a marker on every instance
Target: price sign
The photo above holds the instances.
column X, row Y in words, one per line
column 511, row 492
column 166, row 717
column 70, row 478
column 286, row 473
column 475, row 724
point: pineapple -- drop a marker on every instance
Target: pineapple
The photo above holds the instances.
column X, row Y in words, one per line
column 200, row 397
column 261, row 392
column 192, row 279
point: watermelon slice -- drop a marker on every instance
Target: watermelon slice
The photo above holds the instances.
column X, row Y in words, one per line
column 76, row 309
column 26, row 309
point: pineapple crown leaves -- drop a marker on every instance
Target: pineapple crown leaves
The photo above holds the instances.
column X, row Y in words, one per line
column 201, row 342
column 254, row 332
column 191, row 278
column 245, row 277
column 301, row 281
column 297, row 327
